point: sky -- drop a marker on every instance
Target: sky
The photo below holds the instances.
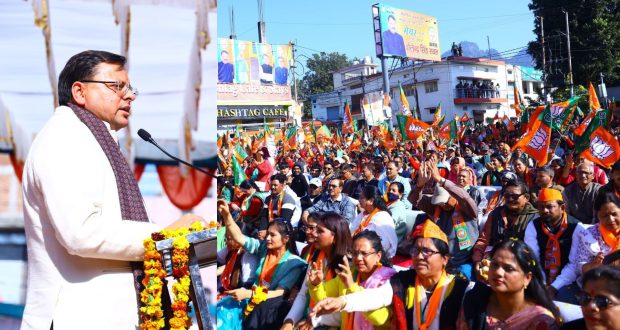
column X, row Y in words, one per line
column 345, row 26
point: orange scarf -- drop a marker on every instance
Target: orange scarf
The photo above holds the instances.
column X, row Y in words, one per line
column 552, row 251
column 365, row 222
column 610, row 238
column 269, row 267
column 228, row 271
column 328, row 276
column 495, row 201
column 432, row 304
column 270, row 210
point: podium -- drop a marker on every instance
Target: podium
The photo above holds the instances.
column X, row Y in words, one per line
column 202, row 253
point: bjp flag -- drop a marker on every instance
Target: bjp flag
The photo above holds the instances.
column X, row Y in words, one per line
column 411, row 128
column 604, row 148
column 535, row 142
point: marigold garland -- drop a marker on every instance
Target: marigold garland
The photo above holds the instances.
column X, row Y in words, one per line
column 151, row 314
column 259, row 294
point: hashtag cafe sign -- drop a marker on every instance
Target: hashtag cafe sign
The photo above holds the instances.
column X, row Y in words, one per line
column 251, row 111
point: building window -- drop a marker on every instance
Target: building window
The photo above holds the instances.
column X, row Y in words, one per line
column 431, row 86
column 464, row 108
column 409, row 90
column 524, row 86
column 509, row 71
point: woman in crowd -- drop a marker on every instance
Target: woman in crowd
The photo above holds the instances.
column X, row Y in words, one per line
column 492, row 177
column 371, row 269
column 516, row 298
column 333, row 243
column 397, row 209
column 424, row 297
column 310, row 233
column 279, row 269
column 236, row 268
column 225, row 183
column 600, row 300
column 375, row 217
column 601, row 239
column 263, row 166
column 456, row 165
column 249, row 205
column 519, row 164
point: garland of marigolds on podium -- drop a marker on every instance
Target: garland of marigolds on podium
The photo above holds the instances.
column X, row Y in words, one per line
column 151, row 314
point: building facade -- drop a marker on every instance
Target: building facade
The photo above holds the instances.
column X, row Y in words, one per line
column 479, row 87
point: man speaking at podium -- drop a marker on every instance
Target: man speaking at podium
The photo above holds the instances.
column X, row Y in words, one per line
column 84, row 216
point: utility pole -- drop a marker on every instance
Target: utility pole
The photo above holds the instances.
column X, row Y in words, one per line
column 544, row 57
column 232, row 23
column 570, row 63
column 292, row 44
column 489, row 47
column 262, row 31
column 415, row 94
column 603, row 91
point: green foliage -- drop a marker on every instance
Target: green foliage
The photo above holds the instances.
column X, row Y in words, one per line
column 594, row 30
column 318, row 77
column 563, row 94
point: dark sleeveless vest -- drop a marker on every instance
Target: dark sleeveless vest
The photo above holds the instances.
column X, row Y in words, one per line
column 565, row 241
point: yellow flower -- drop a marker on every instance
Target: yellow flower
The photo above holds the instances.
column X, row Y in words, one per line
column 196, row 226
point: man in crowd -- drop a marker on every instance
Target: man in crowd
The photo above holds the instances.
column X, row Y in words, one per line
column 506, row 221
column 280, row 204
column 314, row 194
column 346, row 172
column 544, row 179
column 368, row 178
column 579, row 196
column 550, row 237
column 334, row 201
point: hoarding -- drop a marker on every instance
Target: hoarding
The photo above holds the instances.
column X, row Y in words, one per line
column 246, row 62
column 404, row 33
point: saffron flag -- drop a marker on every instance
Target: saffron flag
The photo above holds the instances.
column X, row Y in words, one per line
column 437, row 118
column 240, row 153
column 593, row 99
column 603, row 148
column 411, row 128
column 449, row 131
column 347, row 122
column 535, row 142
column 404, row 104
column 291, row 138
column 465, row 119
column 518, row 106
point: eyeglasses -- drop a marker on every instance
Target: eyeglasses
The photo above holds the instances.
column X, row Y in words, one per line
column 120, row 87
column 356, row 254
column 601, row 302
column 426, row 252
column 513, row 196
column 309, row 227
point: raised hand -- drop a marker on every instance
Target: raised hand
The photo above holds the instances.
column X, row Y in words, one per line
column 345, row 273
column 315, row 276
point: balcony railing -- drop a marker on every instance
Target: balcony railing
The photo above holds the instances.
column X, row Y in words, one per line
column 475, row 95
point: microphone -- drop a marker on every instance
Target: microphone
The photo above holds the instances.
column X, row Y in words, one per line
column 146, row 136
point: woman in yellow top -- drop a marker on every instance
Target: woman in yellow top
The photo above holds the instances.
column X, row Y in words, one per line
column 371, row 270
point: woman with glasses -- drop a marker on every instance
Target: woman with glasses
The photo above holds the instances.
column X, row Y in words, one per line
column 370, row 268
column 309, row 229
column 515, row 299
column 279, row 269
column 600, row 300
column 332, row 244
column 423, row 297
column 375, row 217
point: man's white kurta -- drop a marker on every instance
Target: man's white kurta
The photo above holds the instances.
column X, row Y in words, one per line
column 79, row 247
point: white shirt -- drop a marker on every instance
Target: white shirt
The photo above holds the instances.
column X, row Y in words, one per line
column 383, row 225
column 571, row 270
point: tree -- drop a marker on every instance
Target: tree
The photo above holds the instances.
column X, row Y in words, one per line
column 594, row 30
column 318, row 77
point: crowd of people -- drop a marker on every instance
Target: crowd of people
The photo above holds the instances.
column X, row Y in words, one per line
column 473, row 235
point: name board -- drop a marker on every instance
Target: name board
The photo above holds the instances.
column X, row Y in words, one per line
column 253, row 92
column 251, row 111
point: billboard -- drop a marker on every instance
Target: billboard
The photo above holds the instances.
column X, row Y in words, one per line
column 247, row 62
column 404, row 33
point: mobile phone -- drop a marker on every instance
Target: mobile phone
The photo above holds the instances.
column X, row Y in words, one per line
column 487, row 159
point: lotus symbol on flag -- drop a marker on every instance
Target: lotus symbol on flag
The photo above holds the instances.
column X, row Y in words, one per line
column 600, row 149
column 414, row 128
column 556, row 111
column 538, row 140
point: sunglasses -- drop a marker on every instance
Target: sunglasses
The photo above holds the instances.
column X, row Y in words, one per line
column 601, row 302
column 513, row 196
